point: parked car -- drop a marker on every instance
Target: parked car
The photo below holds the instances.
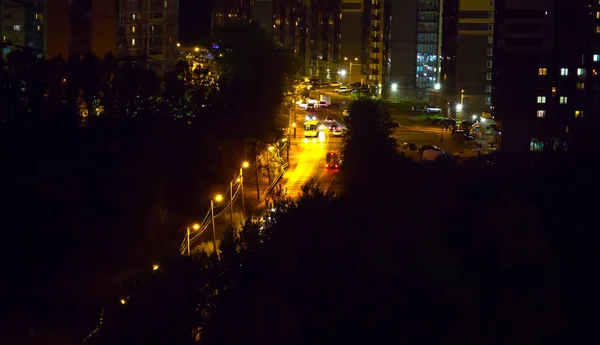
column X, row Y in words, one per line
column 408, row 146
column 334, row 83
column 323, row 104
column 428, row 147
column 342, row 89
column 432, row 109
column 310, row 106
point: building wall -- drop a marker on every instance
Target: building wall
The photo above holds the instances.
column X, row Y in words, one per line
column 12, row 22
column 402, row 47
column 262, row 12
column 546, row 74
column 104, row 27
column 56, row 28
column 148, row 32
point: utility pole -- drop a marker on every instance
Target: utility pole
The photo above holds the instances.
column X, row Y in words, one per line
column 231, row 202
column 268, row 169
column 242, row 187
column 257, row 176
column 188, row 240
column 212, row 217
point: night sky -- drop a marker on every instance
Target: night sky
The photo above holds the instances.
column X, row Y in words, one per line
column 194, row 21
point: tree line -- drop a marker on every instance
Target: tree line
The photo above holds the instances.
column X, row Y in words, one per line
column 410, row 253
column 103, row 161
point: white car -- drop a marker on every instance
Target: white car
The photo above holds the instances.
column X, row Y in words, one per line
column 342, row 89
column 334, row 83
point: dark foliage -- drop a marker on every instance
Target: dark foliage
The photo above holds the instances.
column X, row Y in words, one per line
column 442, row 253
column 102, row 165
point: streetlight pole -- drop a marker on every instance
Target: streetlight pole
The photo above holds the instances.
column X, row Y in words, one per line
column 244, row 165
column 231, row 203
column 188, row 240
column 257, row 177
column 212, row 217
column 268, row 169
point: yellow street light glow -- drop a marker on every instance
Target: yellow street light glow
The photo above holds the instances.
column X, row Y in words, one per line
column 294, row 124
column 245, row 165
column 123, row 301
column 179, row 44
column 271, row 148
column 196, row 49
column 218, row 198
column 196, row 226
column 155, row 267
column 238, row 180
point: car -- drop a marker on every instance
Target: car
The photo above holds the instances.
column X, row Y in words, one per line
column 333, row 160
column 302, row 105
column 323, row 104
column 395, row 125
column 364, row 89
column 432, row 109
column 418, row 109
column 342, row 89
column 336, row 129
column 334, row 83
column 329, row 119
column 310, row 106
column 356, row 84
column 428, row 147
column 409, row 146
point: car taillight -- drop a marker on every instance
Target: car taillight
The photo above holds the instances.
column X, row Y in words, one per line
column 336, row 165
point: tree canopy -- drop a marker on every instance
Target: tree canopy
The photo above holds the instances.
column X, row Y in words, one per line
column 502, row 254
column 104, row 161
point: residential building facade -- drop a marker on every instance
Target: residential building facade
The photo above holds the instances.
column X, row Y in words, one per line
column 22, row 24
column 148, row 31
column 467, row 57
column 546, row 83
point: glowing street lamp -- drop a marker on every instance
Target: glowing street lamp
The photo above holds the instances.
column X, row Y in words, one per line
column 343, row 72
column 196, row 49
column 196, row 227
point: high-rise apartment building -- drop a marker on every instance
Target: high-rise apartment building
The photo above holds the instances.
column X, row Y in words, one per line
column 224, row 11
column 312, row 31
column 394, row 46
column 467, row 57
column 93, row 27
column 545, row 74
column 22, row 24
column 148, row 31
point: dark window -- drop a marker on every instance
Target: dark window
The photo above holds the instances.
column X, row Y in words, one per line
column 473, row 26
column 351, row 6
column 474, row 14
column 522, row 28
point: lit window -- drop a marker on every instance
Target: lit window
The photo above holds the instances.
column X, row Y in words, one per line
column 597, row 15
column 37, row 16
column 542, row 71
column 563, row 99
column 491, row 39
column 578, row 113
column 596, row 57
column 133, row 41
column 564, row 72
column 488, row 76
column 580, row 86
column 553, row 91
column 541, row 99
column 133, row 16
column 166, row 5
column 39, row 28
column 488, row 100
column 489, row 64
column 598, row 29
column 17, row 27
column 133, row 29
column 541, row 113
column 580, row 71
column 490, row 52
column 488, row 88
